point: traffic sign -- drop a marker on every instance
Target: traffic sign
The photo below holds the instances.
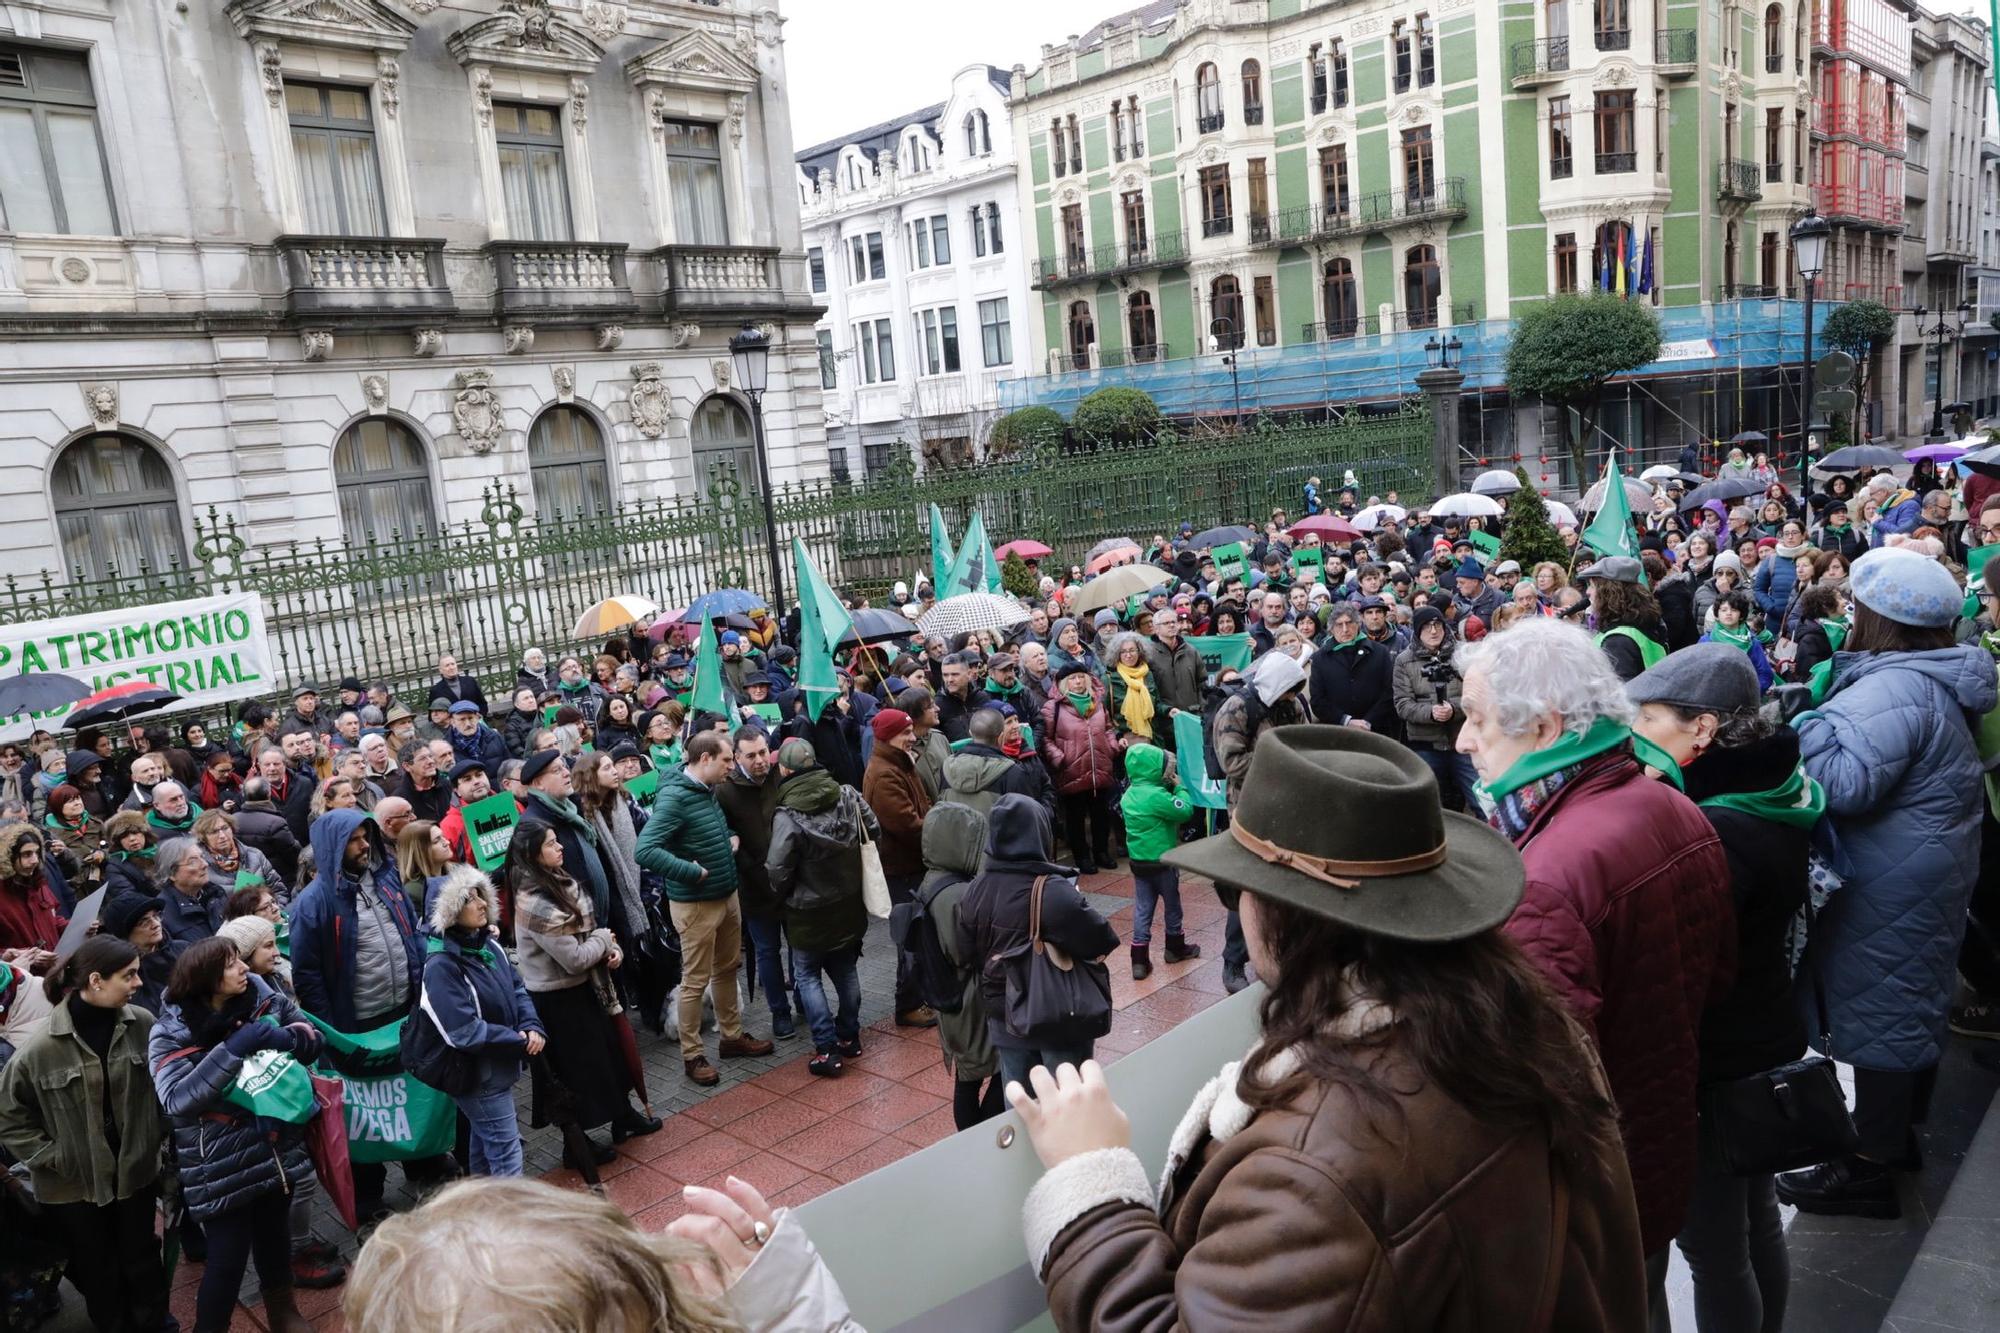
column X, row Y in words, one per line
column 1835, row 370
column 1834, row 402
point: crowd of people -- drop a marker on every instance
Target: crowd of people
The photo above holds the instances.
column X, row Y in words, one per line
column 1539, row 868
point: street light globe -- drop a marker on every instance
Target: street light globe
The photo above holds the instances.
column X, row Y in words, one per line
column 1809, row 239
column 750, row 350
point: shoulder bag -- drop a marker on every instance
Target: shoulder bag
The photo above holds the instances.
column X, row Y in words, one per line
column 874, row 882
column 1048, row 992
column 1785, row 1118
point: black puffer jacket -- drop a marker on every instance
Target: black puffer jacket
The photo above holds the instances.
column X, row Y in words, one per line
column 227, row 1157
column 814, row 864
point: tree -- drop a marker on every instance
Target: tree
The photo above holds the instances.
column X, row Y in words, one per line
column 1530, row 538
column 1565, row 348
column 1116, row 414
column 1016, row 578
column 1024, row 428
column 1858, row 329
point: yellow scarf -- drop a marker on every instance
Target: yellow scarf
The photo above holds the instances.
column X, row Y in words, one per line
column 1137, row 709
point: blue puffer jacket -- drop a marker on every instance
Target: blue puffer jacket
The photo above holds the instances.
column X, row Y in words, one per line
column 227, row 1156
column 323, row 928
column 474, row 995
column 1893, row 748
column 1776, row 579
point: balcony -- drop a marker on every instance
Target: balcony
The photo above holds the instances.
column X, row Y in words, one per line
column 1209, row 123
column 1294, row 226
column 1260, row 228
column 1543, row 60
column 1774, row 62
column 1253, row 113
column 720, row 279
column 1317, row 99
column 557, row 280
column 1221, row 226
column 1738, row 180
column 1611, row 164
column 1613, row 39
column 1675, row 51
column 1774, row 171
column 1386, row 209
column 1397, row 321
column 1747, row 291
column 1163, row 251
column 365, row 279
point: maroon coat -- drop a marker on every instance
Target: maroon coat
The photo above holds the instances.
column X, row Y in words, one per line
column 1628, row 912
column 1080, row 751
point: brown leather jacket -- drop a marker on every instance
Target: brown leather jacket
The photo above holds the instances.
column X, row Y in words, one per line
column 1305, row 1219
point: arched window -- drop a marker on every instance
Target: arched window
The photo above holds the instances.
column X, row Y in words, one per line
column 1422, row 285
column 1253, row 93
column 1208, row 99
column 566, row 456
column 383, row 475
column 117, row 510
column 721, row 434
column 1142, row 327
column 1774, row 39
column 1343, row 309
column 1225, row 312
column 978, row 135
column 1082, row 334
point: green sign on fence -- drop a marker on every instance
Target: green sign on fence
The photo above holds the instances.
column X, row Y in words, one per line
column 489, row 827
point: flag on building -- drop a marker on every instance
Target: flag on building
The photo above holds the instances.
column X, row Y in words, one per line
column 1646, row 267
column 1618, row 236
column 823, row 623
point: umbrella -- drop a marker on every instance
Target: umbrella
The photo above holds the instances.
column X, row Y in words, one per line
column 1026, row 549
column 1374, row 516
column 620, row 611
column 1636, row 493
column 874, row 625
column 1749, row 437
column 1329, row 527
column 1560, row 514
column 134, row 696
column 39, row 692
column 1113, row 588
column 1222, row 536
column 1111, row 544
column 1984, row 461
column 1939, row 453
column 1691, row 478
column 673, row 620
column 973, row 610
column 1661, row 472
column 1117, row 555
column 723, row 601
column 1859, row 458
column 1725, row 489
column 1466, row 505
column 1497, row 482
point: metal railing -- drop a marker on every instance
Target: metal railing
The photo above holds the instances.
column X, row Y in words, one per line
column 1613, row 163
column 1221, row 226
column 1209, row 123
column 1747, row 291
column 1539, row 58
column 1253, row 113
column 1737, row 178
column 1260, row 228
column 1102, row 261
column 1674, row 46
column 1382, row 209
column 1396, row 321
column 1308, row 222
column 1774, row 171
column 1613, row 39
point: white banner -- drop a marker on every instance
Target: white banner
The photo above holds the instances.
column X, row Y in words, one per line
column 208, row 650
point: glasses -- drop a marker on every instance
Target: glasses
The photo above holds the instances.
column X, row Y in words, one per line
column 1990, row 531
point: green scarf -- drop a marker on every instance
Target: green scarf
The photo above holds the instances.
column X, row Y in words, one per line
column 1738, row 638
column 1798, row 801
column 666, row 757
column 995, row 688
column 1604, row 735
column 1082, row 702
column 432, row 944
column 1333, row 645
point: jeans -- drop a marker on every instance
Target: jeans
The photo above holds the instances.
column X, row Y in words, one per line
column 767, row 939
column 496, row 1137
column 1015, row 1062
column 1090, row 846
column 711, row 950
column 843, row 966
column 1453, row 770
column 1154, row 884
column 969, row 1106
column 1734, row 1243
column 115, row 1260
column 259, row 1230
column 1659, row 1313
column 903, row 889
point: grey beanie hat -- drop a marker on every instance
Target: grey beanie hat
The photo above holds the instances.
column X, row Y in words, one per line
column 1713, row 677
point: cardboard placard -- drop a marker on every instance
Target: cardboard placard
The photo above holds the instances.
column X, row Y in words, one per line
column 489, row 827
column 1231, row 561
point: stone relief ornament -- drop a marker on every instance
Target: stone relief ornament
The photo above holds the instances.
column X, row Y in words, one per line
column 426, row 342
column 271, row 64
column 680, row 335
column 649, row 400
column 482, row 93
column 579, row 104
column 375, row 389
column 604, row 19
column 565, row 381
column 722, row 369
column 387, row 88
column 517, row 338
column 75, row 270
column 609, row 336
column 475, row 410
column 422, row 7
column 528, row 21
column 316, row 344
column 102, row 400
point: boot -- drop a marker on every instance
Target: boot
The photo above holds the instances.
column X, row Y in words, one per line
column 1179, row 950
column 281, row 1313
column 1142, row 966
column 1844, row 1187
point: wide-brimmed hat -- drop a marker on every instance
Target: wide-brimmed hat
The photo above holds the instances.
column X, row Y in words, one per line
column 1346, row 824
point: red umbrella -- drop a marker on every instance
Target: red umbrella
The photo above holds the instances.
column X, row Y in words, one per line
column 120, row 701
column 1025, row 548
column 1329, row 527
column 1117, row 555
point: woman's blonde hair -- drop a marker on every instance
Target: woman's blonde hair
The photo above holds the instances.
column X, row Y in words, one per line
column 519, row 1255
column 415, row 861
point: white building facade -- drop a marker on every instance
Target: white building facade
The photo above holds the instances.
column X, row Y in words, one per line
column 337, row 268
column 910, row 234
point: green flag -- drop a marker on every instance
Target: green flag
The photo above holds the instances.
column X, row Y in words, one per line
column 940, row 551
column 975, row 570
column 1221, row 650
column 1610, row 532
column 709, row 694
column 823, row 622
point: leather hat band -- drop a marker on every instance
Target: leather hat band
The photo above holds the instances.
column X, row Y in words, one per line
column 1340, row 874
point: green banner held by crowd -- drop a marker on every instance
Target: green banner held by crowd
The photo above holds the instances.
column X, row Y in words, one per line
column 1191, row 759
column 489, row 827
column 391, row 1117
column 1221, row 650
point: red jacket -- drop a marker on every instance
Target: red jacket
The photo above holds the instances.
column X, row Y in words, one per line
column 28, row 915
column 1079, row 751
column 1628, row 911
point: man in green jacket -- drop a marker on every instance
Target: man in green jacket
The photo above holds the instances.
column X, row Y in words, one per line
column 688, row 844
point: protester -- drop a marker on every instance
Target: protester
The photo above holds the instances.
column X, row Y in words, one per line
column 32, row 915
column 1155, row 808
column 954, row 844
column 1078, row 745
column 1630, row 628
column 898, row 798
column 1353, row 678
column 748, row 795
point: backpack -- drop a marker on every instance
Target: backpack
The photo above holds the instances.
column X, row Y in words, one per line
column 915, row 931
column 431, row 1060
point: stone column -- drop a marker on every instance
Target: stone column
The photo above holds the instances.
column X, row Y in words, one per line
column 1441, row 387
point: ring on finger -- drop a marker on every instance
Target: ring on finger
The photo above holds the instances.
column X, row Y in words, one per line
column 760, row 1233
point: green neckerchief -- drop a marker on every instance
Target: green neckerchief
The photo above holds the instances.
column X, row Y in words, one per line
column 432, row 944
column 666, row 757
column 1798, row 801
column 1839, row 530
column 1738, row 638
column 1836, row 628
column 1990, row 641
column 1081, row 702
column 1003, row 691
column 1605, row 735
column 1333, row 645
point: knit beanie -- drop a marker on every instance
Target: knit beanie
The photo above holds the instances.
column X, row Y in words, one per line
column 246, row 933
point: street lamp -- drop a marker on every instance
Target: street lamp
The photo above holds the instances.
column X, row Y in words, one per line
column 750, row 351
column 1441, row 353
column 1809, row 240
column 1223, row 337
column 1942, row 332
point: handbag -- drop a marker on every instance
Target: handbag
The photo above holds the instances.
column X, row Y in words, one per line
column 326, row 1144
column 1048, row 989
column 427, row 1057
column 874, row 882
column 1785, row 1118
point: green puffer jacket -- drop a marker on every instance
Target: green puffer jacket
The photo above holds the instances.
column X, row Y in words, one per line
column 1154, row 812
column 685, row 835
column 954, row 845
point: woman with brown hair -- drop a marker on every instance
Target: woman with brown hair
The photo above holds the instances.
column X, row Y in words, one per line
column 1419, row 1104
column 601, row 800
column 1630, row 628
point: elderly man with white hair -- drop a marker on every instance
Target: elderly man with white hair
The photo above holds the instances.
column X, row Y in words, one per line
column 172, row 813
column 1627, row 910
column 1897, row 508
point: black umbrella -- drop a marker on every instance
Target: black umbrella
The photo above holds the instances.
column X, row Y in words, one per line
column 1724, row 489
column 874, row 625
column 1860, row 458
column 120, row 701
column 39, row 692
column 1749, row 437
column 1222, row 536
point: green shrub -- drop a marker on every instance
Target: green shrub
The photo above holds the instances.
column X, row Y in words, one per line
column 1116, row 414
column 1024, row 429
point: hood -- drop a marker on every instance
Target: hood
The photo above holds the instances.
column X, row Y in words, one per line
column 1145, row 763
column 976, row 768
column 953, row 835
column 460, row 883
column 1966, row 672
column 124, row 822
column 330, row 833
column 78, row 760
column 834, row 824
column 1017, row 829
column 809, row 792
column 11, row 838
column 1275, row 676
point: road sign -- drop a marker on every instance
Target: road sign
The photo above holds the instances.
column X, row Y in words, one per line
column 1834, row 402
column 1835, row 370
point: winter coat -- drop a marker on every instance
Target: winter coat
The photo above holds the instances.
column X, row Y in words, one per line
column 582, row 859
column 1080, row 751
column 954, row 845
column 1760, row 661
column 54, row 1095
column 1628, row 913
column 1114, row 706
column 484, row 745
column 227, row 1156
column 955, row 714
column 1334, row 1212
column 1814, row 647
column 1153, row 811
column 1893, row 745
column 978, row 775
column 1355, row 682
column 191, row 920
column 1901, row 512
column 463, row 686
column 686, row 842
column 1248, row 713
column 1178, row 674
column 1675, row 594
column 261, row 826
column 475, row 996
column 1850, row 541
column 750, row 808
column 1628, row 659
column 994, row 917
column 813, row 864
column 249, row 862
column 897, row 797
column 933, row 752
column 541, row 682
column 324, row 941
column 518, row 731
column 1773, row 585
column 1415, row 696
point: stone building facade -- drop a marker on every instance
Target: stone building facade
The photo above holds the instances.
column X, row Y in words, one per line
column 336, row 267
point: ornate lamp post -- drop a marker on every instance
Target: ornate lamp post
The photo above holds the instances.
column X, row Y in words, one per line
column 1810, row 235
column 750, row 351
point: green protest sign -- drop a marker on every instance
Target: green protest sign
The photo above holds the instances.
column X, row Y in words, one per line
column 489, row 827
column 643, row 788
column 769, row 712
column 391, row 1116
column 246, row 879
column 1309, row 557
column 1221, row 650
column 1486, row 544
column 549, row 714
column 1190, row 758
column 1231, row 561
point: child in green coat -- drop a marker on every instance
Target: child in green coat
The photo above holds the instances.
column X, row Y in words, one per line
column 1155, row 807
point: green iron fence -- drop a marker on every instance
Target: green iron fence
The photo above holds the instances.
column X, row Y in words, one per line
column 487, row 588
